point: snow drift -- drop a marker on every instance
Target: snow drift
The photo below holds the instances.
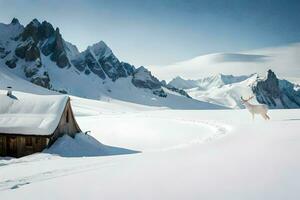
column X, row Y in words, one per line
column 83, row 145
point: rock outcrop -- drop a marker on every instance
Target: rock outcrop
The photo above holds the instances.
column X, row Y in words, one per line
column 100, row 59
column 276, row 93
column 42, row 36
column 142, row 78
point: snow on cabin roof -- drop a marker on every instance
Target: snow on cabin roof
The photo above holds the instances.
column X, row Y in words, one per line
column 30, row 114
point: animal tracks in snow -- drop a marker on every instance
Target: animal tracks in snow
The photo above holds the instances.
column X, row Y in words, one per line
column 216, row 130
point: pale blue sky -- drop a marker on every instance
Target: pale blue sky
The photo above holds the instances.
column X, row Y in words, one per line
column 149, row 32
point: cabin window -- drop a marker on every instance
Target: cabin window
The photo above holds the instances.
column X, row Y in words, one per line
column 67, row 117
column 28, row 141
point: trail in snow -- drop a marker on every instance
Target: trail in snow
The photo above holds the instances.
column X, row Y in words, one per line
column 216, row 130
column 51, row 174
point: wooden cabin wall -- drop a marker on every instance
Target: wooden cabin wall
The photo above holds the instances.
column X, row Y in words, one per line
column 21, row 147
column 2, row 146
column 38, row 145
column 67, row 124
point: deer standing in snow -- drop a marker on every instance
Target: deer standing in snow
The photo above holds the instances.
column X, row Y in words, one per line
column 260, row 109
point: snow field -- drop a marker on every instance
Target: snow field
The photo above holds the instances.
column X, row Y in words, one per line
column 181, row 154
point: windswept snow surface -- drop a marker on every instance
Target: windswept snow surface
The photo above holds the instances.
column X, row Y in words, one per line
column 183, row 154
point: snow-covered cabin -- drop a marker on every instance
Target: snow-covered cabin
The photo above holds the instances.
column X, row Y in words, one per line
column 30, row 123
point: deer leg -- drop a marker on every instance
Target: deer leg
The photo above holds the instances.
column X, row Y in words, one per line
column 252, row 116
column 267, row 116
column 264, row 116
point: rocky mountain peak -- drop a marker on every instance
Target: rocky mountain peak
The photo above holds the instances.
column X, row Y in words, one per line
column 35, row 22
column 15, row 21
column 46, row 30
column 271, row 75
column 143, row 78
column 100, row 60
column 270, row 84
column 276, row 93
column 38, row 31
column 101, row 49
column 31, row 31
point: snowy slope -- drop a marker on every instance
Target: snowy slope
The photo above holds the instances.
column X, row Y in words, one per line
column 8, row 78
column 182, row 155
column 9, row 31
column 207, row 82
column 120, row 92
column 228, row 95
column 179, row 82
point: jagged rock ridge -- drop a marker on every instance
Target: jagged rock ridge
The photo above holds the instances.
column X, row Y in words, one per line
column 100, row 60
column 276, row 93
column 38, row 48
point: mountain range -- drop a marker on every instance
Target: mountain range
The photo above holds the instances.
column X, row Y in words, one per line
column 38, row 53
column 226, row 90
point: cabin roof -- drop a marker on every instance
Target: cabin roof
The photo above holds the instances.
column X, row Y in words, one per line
column 30, row 114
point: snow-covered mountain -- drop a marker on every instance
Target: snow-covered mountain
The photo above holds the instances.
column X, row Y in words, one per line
column 208, row 82
column 276, row 93
column 34, row 49
column 226, row 90
column 37, row 53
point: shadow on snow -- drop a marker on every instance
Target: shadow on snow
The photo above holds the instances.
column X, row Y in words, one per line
column 84, row 146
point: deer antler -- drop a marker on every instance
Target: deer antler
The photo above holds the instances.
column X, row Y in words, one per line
column 250, row 98
column 247, row 99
